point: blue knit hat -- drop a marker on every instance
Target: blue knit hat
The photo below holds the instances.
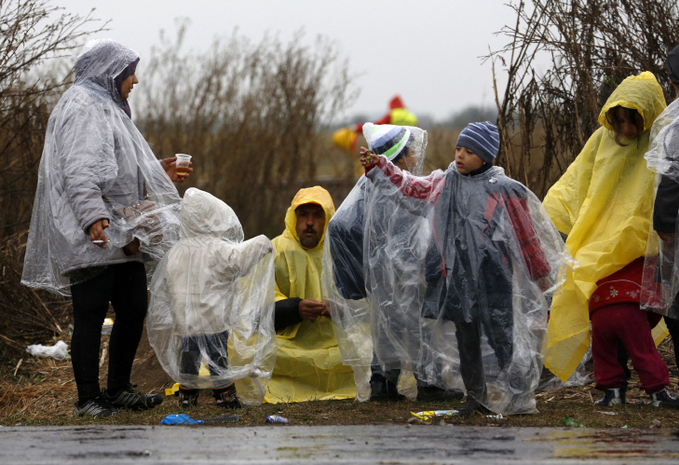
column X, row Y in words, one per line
column 391, row 141
column 482, row 139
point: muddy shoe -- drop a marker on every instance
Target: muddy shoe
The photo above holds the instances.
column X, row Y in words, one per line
column 437, row 394
column 614, row 396
column 130, row 398
column 187, row 397
column 98, row 407
column 471, row 407
column 226, row 397
column 664, row 398
column 383, row 389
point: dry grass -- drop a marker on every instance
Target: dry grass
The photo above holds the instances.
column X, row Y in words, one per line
column 42, row 392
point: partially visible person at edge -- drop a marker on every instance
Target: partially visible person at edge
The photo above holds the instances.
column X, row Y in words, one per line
column 603, row 204
column 667, row 198
column 308, row 363
column 96, row 166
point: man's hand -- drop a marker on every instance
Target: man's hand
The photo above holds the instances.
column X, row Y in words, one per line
column 170, row 166
column 96, row 233
column 666, row 237
column 310, row 309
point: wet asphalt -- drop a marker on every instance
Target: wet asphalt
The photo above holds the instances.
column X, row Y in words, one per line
column 285, row 444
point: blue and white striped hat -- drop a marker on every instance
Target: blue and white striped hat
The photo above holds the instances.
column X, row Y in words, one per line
column 391, row 141
column 481, row 138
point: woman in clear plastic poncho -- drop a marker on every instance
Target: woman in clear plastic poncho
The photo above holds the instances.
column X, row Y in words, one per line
column 488, row 244
column 213, row 291
column 603, row 204
column 355, row 321
column 104, row 205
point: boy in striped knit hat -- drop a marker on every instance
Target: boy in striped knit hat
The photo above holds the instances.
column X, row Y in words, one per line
column 492, row 253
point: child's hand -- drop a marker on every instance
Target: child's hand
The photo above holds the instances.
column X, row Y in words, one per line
column 543, row 283
column 368, row 157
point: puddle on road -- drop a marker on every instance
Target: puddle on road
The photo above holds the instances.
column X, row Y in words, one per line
column 611, row 445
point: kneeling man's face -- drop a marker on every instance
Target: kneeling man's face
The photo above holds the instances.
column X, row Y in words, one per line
column 310, row 224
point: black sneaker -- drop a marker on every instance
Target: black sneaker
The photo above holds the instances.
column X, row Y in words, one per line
column 226, row 397
column 187, row 397
column 383, row 389
column 664, row 398
column 614, row 396
column 130, row 398
column 472, row 406
column 98, row 407
column 436, row 394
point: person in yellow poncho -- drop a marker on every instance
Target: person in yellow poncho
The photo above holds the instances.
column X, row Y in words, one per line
column 308, row 364
column 603, row 204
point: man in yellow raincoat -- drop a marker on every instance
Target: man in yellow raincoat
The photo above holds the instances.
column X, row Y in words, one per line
column 603, row 204
column 308, row 364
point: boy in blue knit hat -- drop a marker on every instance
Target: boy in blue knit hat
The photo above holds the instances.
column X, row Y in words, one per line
column 491, row 255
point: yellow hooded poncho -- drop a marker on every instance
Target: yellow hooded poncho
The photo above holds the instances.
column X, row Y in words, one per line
column 603, row 202
column 308, row 364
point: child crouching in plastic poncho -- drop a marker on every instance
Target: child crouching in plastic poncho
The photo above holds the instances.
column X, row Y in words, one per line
column 492, row 254
column 212, row 292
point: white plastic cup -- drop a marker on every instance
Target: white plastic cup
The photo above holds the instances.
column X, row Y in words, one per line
column 183, row 162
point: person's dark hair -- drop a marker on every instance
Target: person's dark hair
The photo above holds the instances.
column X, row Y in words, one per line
column 405, row 150
column 615, row 122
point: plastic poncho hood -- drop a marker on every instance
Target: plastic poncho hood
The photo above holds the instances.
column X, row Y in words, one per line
column 343, row 259
column 212, row 300
column 96, row 164
column 308, row 363
column 606, row 181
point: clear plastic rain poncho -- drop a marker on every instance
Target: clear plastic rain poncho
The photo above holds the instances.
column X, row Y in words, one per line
column 475, row 315
column 212, row 302
column 96, row 164
column 355, row 322
column 661, row 267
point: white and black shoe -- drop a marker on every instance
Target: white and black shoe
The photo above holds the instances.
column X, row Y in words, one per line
column 130, row 398
column 613, row 396
column 98, row 407
column 664, row 398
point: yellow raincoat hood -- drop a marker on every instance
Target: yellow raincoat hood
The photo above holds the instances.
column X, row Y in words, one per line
column 308, row 364
column 603, row 202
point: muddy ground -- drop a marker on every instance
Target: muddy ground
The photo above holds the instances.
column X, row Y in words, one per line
column 41, row 391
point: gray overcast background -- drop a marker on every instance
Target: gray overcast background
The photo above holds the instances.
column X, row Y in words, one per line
column 427, row 51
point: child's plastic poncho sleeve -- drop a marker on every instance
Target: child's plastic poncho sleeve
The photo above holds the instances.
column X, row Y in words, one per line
column 308, row 362
column 343, row 261
column 661, row 269
column 212, row 302
column 475, row 316
column 96, row 164
column 603, row 203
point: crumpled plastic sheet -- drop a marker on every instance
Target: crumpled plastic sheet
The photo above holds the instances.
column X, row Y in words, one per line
column 212, row 302
column 660, row 285
column 468, row 255
column 96, row 164
column 59, row 351
column 343, row 282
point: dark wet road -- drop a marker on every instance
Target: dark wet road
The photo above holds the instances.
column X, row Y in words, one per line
column 334, row 445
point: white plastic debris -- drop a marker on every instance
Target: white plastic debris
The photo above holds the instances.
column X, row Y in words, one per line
column 58, row 351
